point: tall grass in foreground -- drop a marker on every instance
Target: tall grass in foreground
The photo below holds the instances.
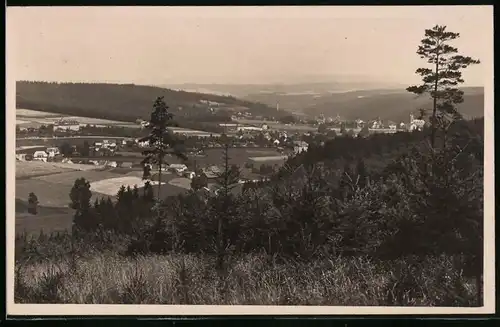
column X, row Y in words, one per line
column 108, row 278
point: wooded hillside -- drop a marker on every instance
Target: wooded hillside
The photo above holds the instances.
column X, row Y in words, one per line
column 125, row 102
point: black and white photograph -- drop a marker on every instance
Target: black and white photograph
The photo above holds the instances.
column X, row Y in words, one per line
column 250, row 160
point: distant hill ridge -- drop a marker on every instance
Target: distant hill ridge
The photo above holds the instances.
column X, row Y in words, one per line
column 392, row 104
column 126, row 102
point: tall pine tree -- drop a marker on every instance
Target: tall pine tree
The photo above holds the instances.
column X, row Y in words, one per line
column 441, row 80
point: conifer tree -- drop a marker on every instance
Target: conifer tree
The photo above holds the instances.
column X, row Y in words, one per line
column 441, row 80
column 161, row 140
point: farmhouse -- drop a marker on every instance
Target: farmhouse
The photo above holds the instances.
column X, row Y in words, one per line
column 30, row 126
column 416, row 124
column 178, row 168
column 65, row 125
column 300, row 146
column 360, row 123
column 40, row 156
column 248, row 129
column 376, row 125
column 142, row 142
column 52, row 152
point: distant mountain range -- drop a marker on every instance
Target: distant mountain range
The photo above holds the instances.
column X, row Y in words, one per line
column 350, row 97
column 391, row 103
column 249, row 90
column 388, row 104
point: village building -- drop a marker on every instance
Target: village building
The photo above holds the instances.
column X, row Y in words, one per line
column 416, row 124
column 142, row 143
column 248, row 129
column 52, row 152
column 376, row 125
column 67, row 125
column 360, row 123
column 177, row 168
column 300, row 146
column 40, row 156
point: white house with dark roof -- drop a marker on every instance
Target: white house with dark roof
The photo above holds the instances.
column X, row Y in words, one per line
column 416, row 124
column 40, row 156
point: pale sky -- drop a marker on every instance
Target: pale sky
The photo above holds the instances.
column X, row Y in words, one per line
column 160, row 45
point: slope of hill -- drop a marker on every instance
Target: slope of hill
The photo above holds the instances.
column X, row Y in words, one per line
column 125, row 102
column 391, row 105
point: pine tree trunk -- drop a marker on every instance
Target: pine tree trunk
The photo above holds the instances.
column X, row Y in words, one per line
column 434, row 107
column 159, row 179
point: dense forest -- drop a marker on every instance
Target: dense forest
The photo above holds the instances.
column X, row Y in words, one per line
column 123, row 102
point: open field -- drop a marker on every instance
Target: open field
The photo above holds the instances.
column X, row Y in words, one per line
column 48, row 219
column 192, row 132
column 126, row 171
column 181, row 182
column 34, row 116
column 213, row 156
column 57, row 141
column 49, row 194
column 35, row 113
column 264, row 159
column 68, row 178
column 28, row 147
column 278, row 126
column 25, row 169
column 261, row 152
column 110, row 186
column 52, row 183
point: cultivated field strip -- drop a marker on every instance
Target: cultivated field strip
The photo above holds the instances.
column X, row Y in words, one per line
column 68, row 178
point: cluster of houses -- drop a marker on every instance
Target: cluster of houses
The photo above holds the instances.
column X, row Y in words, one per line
column 39, row 155
column 110, row 145
column 67, row 124
column 60, row 125
column 377, row 124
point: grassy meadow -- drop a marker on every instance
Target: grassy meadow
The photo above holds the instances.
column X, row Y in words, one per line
column 106, row 277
